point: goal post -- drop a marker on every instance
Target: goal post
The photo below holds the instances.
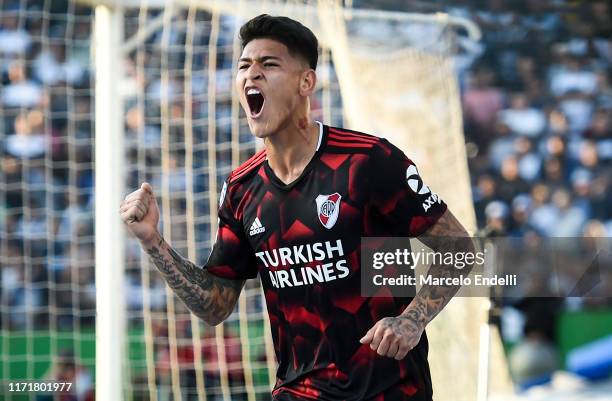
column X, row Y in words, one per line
column 109, row 191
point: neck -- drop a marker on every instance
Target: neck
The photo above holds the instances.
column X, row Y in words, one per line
column 291, row 148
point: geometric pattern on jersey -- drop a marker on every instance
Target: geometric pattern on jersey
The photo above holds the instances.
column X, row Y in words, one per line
column 310, row 268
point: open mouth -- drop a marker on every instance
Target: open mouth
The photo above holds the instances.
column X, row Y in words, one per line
column 255, row 100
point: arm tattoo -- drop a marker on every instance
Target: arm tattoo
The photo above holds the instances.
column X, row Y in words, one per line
column 446, row 235
column 402, row 330
column 209, row 297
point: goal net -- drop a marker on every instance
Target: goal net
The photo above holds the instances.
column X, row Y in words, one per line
column 47, row 293
column 183, row 131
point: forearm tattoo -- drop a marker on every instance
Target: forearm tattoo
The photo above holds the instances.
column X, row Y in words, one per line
column 447, row 235
column 209, row 297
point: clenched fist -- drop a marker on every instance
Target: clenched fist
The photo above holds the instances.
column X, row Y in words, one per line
column 394, row 337
column 139, row 211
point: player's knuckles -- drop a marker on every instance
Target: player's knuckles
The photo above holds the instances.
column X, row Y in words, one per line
column 141, row 212
column 125, row 210
column 389, row 336
column 386, row 345
column 127, row 219
column 138, row 194
column 382, row 349
column 130, row 202
column 378, row 337
column 392, row 351
column 407, row 343
column 134, row 211
column 391, row 333
column 375, row 343
column 139, row 199
column 402, row 352
column 138, row 203
column 404, row 346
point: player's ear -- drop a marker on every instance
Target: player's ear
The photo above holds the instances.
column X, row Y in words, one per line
column 308, row 82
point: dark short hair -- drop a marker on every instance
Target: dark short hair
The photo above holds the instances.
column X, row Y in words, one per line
column 299, row 39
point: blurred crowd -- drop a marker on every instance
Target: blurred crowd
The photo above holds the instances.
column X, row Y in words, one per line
column 537, row 108
column 46, row 170
column 537, row 104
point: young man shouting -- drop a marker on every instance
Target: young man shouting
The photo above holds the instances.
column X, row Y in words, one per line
column 294, row 214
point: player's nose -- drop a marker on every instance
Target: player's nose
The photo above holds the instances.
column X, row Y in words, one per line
column 253, row 72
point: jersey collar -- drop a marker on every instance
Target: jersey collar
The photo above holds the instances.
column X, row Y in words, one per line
column 320, row 147
column 320, row 135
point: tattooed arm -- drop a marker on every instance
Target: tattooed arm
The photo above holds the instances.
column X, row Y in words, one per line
column 209, row 297
column 396, row 336
column 447, row 235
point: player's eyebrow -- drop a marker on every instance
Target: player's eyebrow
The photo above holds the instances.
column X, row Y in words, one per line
column 262, row 59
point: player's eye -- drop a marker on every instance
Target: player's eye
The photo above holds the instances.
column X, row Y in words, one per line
column 243, row 66
column 270, row 65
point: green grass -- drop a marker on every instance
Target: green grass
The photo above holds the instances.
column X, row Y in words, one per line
column 28, row 355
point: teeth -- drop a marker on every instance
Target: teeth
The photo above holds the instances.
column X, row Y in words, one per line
column 253, row 91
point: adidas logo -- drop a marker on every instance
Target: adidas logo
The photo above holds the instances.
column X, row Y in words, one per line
column 256, row 227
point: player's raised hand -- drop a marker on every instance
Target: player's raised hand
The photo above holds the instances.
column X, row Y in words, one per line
column 394, row 337
column 139, row 211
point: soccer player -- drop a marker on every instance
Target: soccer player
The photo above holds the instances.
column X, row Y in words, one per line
column 295, row 213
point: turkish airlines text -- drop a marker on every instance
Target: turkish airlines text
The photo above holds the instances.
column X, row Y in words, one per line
column 329, row 257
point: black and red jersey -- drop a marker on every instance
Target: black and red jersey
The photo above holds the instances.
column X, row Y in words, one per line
column 303, row 239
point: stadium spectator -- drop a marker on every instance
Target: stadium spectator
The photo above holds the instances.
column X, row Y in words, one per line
column 521, row 118
column 14, row 40
column 509, row 182
column 27, row 142
column 21, row 91
column 52, row 67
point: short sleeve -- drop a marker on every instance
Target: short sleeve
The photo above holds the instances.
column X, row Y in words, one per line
column 232, row 255
column 406, row 204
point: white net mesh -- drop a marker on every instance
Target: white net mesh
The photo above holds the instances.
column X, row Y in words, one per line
column 47, row 293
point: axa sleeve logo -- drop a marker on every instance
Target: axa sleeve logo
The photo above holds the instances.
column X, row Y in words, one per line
column 415, row 182
column 328, row 208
